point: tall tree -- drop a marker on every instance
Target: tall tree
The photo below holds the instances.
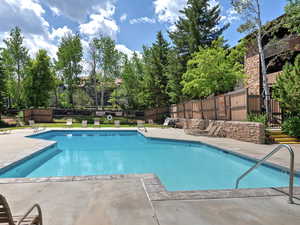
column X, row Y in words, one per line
column 2, row 87
column 198, row 26
column 39, row 81
column 109, row 62
column 156, row 80
column 292, row 11
column 287, row 88
column 15, row 57
column 250, row 10
column 94, row 57
column 69, row 62
column 174, row 72
column 213, row 70
column 131, row 87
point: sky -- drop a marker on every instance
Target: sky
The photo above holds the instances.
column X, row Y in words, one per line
column 131, row 23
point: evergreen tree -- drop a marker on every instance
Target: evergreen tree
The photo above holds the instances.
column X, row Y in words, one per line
column 287, row 88
column 156, row 80
column 15, row 59
column 292, row 11
column 39, row 81
column 69, row 58
column 174, row 72
column 198, row 26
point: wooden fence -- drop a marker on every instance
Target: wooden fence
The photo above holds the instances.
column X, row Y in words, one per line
column 157, row 114
column 38, row 115
column 234, row 106
column 230, row 106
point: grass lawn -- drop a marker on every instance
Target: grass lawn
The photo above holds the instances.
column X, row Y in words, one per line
column 77, row 125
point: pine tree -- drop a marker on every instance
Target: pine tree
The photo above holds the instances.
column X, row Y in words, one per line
column 198, row 26
column 156, row 80
column 174, row 72
column 287, row 88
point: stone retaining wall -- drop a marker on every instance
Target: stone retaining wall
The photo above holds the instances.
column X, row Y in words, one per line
column 243, row 131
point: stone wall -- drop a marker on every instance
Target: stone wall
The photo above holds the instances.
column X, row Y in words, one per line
column 272, row 77
column 252, row 70
column 243, row 131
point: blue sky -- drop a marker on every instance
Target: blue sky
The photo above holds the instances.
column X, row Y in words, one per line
column 131, row 23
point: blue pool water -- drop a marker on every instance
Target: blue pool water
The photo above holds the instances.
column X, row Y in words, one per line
column 179, row 165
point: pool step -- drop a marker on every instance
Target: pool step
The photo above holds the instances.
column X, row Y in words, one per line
column 282, row 138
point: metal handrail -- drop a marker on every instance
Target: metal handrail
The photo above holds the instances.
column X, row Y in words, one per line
column 292, row 162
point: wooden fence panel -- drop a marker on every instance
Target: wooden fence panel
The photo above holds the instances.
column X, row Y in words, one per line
column 231, row 106
column 239, row 105
column 38, row 115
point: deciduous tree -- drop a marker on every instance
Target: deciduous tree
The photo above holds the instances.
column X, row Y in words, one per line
column 39, row 81
column 212, row 70
column 69, row 62
column 250, row 10
column 15, row 59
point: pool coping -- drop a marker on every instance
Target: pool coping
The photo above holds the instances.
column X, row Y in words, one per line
column 152, row 184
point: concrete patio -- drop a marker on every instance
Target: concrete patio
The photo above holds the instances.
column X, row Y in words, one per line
column 125, row 200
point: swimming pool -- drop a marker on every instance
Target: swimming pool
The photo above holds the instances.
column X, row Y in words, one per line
column 180, row 165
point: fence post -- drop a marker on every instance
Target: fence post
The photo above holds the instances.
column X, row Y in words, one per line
column 216, row 113
column 202, row 114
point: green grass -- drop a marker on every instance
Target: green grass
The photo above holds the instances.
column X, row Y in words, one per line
column 78, row 125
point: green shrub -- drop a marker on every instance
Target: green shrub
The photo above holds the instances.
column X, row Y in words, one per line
column 258, row 118
column 291, row 126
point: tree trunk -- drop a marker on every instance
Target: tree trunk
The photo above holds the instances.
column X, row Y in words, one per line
column 95, row 82
column 102, row 97
column 18, row 86
column 263, row 64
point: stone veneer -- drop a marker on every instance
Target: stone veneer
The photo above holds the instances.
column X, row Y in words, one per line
column 243, row 131
column 252, row 70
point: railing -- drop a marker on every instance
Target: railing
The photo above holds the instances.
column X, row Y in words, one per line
column 292, row 161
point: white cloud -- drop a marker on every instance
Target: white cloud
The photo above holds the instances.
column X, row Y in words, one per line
column 168, row 10
column 55, row 11
column 59, row 32
column 213, row 3
column 36, row 42
column 142, row 20
column 125, row 50
column 123, row 17
column 230, row 16
column 77, row 10
column 101, row 22
column 26, row 14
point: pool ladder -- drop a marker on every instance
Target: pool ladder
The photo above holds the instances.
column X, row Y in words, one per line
column 292, row 162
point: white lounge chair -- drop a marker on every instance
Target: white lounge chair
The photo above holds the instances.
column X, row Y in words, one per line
column 3, row 132
column 166, row 122
column 69, row 123
column 140, row 123
column 35, row 127
column 119, row 114
column 84, row 123
column 97, row 123
column 117, row 123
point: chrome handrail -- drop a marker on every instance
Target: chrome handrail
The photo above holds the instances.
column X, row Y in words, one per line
column 292, row 162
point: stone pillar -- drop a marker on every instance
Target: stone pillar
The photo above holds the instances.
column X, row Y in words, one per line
column 252, row 70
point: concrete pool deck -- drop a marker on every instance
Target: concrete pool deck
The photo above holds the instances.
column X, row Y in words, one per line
column 128, row 200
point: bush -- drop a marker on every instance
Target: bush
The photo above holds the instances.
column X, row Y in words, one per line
column 291, row 126
column 258, row 118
